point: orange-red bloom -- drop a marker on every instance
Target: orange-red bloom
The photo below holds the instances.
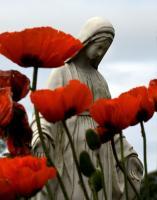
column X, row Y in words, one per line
column 153, row 91
column 6, row 106
column 18, row 149
column 18, row 82
column 63, row 102
column 38, row 47
column 23, row 176
column 146, row 108
column 115, row 114
column 19, row 133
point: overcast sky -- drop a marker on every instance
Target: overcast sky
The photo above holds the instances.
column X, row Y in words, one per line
column 131, row 60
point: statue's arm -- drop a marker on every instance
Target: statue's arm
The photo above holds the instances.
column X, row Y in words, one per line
column 134, row 167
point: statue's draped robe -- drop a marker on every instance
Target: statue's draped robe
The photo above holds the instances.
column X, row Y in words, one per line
column 60, row 150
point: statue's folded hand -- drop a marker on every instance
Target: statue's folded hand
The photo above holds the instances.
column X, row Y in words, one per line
column 134, row 168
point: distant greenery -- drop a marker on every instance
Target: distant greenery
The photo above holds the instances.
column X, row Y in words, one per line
column 153, row 186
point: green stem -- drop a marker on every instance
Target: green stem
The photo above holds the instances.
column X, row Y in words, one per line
column 95, row 194
column 145, row 160
column 42, row 138
column 76, row 161
column 35, row 76
column 49, row 191
column 121, row 168
column 103, row 176
column 123, row 164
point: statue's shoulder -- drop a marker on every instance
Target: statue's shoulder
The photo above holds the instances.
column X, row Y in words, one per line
column 59, row 71
column 101, row 76
column 58, row 76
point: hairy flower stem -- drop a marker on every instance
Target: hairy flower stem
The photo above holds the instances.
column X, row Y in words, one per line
column 43, row 142
column 35, row 76
column 123, row 164
column 103, row 176
column 95, row 194
column 76, row 161
column 146, row 182
column 49, row 191
column 121, row 168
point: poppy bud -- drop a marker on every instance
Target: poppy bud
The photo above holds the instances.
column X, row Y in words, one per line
column 86, row 165
column 95, row 181
column 93, row 140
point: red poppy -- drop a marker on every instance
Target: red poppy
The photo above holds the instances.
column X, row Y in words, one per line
column 6, row 106
column 63, row 102
column 18, row 82
column 31, row 177
column 19, row 133
column 146, row 108
column 16, row 150
column 38, row 47
column 153, row 91
column 77, row 98
column 115, row 114
column 2, row 132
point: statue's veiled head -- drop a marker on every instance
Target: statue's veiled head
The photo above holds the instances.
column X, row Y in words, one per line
column 97, row 35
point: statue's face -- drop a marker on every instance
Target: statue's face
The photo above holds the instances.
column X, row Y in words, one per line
column 97, row 49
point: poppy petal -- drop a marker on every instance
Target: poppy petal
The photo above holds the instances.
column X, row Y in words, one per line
column 60, row 104
column 6, row 106
column 39, row 47
column 18, row 82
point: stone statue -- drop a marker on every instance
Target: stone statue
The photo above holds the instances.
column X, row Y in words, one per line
column 97, row 36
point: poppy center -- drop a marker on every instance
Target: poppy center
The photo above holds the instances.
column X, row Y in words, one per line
column 30, row 60
column 70, row 112
column 143, row 115
column 108, row 126
column 111, row 127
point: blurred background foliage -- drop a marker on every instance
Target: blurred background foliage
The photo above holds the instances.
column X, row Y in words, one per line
column 152, row 176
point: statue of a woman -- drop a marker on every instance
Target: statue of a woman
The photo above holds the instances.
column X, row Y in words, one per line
column 97, row 36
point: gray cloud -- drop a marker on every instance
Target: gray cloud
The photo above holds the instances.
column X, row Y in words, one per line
column 122, row 76
column 135, row 23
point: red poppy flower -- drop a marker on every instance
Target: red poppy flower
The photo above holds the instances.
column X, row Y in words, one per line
column 115, row 114
column 31, row 177
column 6, row 106
column 77, row 98
column 19, row 133
column 17, row 149
column 38, row 47
column 18, row 82
column 2, row 132
column 63, row 102
column 146, row 108
column 153, row 91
